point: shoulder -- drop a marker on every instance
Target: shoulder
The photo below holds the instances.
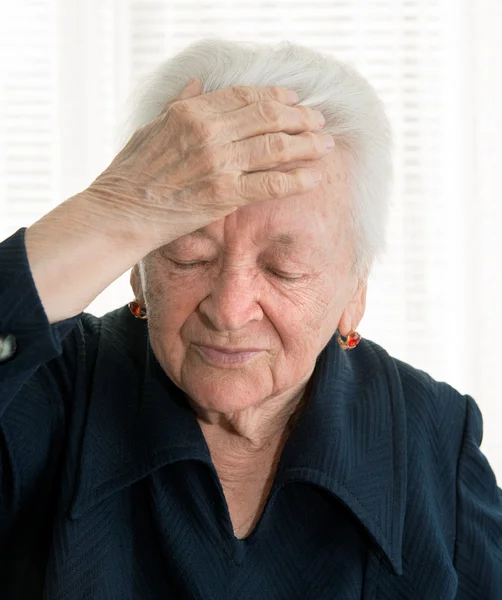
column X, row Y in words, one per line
column 114, row 329
column 430, row 419
column 88, row 344
column 430, row 414
column 426, row 400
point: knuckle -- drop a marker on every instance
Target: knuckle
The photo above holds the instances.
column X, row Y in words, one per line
column 277, row 92
column 179, row 108
column 209, row 160
column 276, row 184
column 203, row 130
column 246, row 93
column 270, row 112
column 214, row 187
column 279, row 145
column 220, row 187
column 305, row 114
column 312, row 140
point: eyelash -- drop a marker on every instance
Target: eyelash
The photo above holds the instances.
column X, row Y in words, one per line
column 284, row 277
column 189, row 265
column 186, row 266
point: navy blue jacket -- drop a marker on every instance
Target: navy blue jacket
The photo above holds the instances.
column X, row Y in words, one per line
column 107, row 489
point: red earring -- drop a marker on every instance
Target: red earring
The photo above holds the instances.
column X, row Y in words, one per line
column 137, row 310
column 353, row 338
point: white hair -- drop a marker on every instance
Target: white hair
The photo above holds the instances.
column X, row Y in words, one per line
column 354, row 115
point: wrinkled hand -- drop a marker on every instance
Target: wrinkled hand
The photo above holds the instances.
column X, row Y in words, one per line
column 206, row 155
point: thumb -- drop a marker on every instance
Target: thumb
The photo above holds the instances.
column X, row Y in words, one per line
column 193, row 88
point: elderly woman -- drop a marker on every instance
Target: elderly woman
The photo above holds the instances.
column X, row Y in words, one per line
column 228, row 434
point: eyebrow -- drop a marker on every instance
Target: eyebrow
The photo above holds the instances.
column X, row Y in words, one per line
column 285, row 239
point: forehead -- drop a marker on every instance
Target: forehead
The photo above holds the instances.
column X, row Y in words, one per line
column 317, row 217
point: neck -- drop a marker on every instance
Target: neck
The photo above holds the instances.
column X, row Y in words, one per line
column 245, row 448
column 255, row 428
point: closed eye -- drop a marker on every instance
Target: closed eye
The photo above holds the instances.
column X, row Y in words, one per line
column 199, row 263
column 284, row 276
column 188, row 265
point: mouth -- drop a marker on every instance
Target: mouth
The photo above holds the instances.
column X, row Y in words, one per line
column 226, row 356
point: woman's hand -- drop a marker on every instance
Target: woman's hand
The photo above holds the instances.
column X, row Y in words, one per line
column 206, row 155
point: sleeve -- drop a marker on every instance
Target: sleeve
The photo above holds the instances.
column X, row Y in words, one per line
column 22, row 315
column 478, row 546
column 33, row 392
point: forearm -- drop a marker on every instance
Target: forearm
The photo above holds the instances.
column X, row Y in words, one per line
column 76, row 251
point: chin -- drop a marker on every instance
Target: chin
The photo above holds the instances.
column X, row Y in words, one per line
column 226, row 388
column 225, row 392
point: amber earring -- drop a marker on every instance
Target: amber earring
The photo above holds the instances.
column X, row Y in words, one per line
column 137, row 310
column 351, row 341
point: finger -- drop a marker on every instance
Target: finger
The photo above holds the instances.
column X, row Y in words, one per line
column 274, row 149
column 258, row 187
column 228, row 99
column 193, row 88
column 268, row 116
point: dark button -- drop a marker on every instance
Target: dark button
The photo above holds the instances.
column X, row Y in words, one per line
column 8, row 347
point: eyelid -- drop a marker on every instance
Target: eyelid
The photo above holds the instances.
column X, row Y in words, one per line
column 285, row 276
column 279, row 274
column 186, row 265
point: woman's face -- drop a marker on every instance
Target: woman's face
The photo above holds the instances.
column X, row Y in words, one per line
column 271, row 279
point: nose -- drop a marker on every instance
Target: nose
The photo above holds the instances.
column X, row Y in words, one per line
column 233, row 301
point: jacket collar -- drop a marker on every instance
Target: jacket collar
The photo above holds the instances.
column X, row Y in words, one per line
column 350, row 438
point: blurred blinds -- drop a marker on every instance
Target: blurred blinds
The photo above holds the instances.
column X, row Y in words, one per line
column 69, row 66
column 28, row 115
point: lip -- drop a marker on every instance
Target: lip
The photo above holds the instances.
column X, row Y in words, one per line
column 226, row 356
column 227, row 350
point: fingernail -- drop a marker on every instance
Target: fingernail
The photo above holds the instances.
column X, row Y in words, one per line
column 190, row 82
column 316, row 176
column 329, row 142
column 293, row 96
column 320, row 116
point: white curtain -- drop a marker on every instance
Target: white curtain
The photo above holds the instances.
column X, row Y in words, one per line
column 68, row 66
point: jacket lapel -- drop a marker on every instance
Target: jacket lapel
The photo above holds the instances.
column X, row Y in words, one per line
column 351, row 440
column 137, row 421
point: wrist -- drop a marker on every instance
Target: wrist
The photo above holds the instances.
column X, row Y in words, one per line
column 121, row 229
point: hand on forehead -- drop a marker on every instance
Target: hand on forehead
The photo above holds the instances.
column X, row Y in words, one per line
column 325, row 200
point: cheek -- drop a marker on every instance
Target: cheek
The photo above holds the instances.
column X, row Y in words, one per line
column 304, row 318
column 174, row 298
column 171, row 303
column 181, row 301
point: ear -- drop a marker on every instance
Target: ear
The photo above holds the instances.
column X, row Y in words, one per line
column 354, row 311
column 136, row 284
